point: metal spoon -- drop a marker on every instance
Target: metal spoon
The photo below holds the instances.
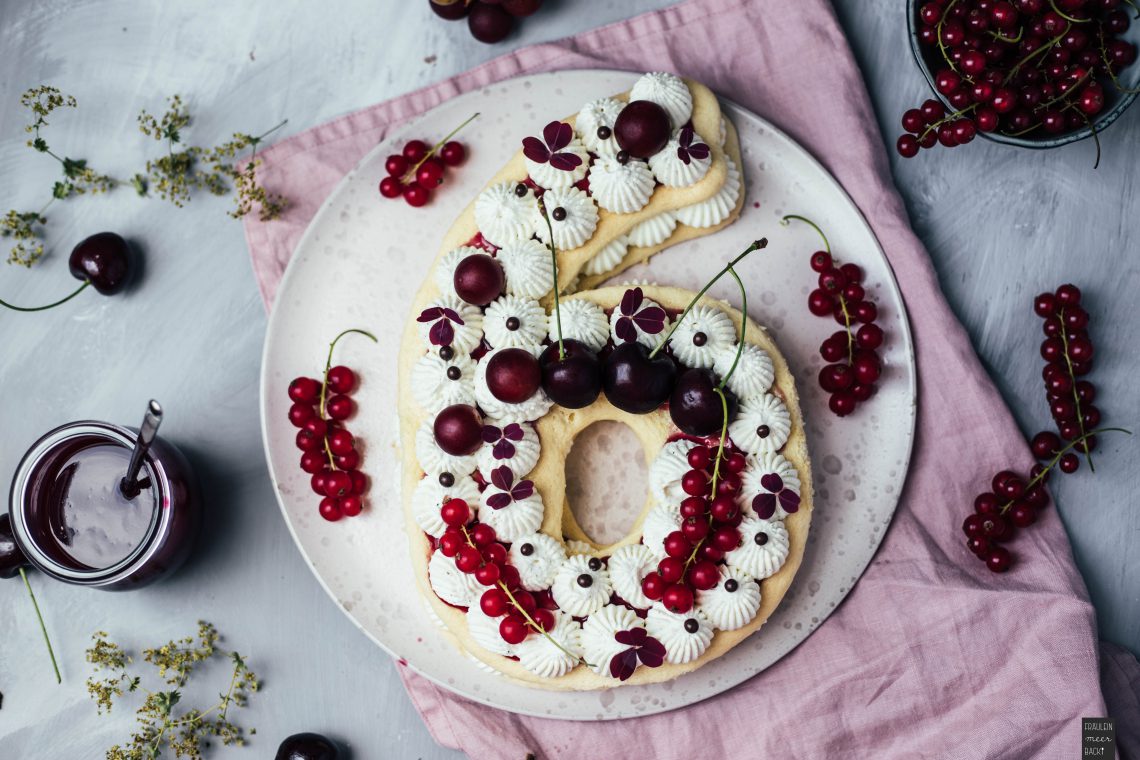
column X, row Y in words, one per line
column 147, row 431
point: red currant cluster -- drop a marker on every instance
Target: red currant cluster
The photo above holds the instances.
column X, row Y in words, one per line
column 1016, row 67
column 1014, row 501
column 418, row 170
column 709, row 529
column 478, row 553
column 328, row 450
column 489, row 21
column 853, row 364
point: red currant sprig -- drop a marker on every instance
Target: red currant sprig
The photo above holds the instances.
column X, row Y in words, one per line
column 1014, row 501
column 1017, row 67
column 852, row 353
column 1067, row 351
column 478, row 553
column 416, row 171
column 328, row 450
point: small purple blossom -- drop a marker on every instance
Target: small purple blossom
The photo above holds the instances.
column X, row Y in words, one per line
column 441, row 333
column 557, row 135
column 503, row 478
column 503, row 440
column 650, row 319
column 765, row 503
column 687, row 149
column 642, row 646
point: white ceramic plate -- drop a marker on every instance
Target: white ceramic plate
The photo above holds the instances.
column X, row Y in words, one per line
column 362, row 259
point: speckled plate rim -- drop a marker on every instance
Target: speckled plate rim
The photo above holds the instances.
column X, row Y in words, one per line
column 272, row 338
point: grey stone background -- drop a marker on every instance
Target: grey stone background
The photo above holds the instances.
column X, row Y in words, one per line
column 1000, row 223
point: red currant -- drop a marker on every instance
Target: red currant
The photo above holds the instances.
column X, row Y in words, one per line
column 699, row 458
column 305, row 390
column 299, row 414
column 653, row 586
column 453, row 153
column 330, row 509
column 513, row 629
column 416, row 195
column 677, row 598
column 493, row 602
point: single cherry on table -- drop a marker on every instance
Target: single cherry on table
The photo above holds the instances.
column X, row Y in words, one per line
column 104, row 261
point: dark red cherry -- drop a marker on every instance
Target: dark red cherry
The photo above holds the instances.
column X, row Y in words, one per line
column 478, row 279
column 513, row 375
column 452, row 10
column 574, row 380
column 489, row 23
column 635, row 383
column 521, row 7
column 458, row 429
column 642, row 128
column 695, row 406
column 104, row 260
column 307, row 747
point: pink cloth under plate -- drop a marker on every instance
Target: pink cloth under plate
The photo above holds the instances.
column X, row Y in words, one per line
column 931, row 655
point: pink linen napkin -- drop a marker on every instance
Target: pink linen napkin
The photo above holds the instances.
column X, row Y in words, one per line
column 931, row 655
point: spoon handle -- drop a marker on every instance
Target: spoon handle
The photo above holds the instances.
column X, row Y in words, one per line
column 147, row 432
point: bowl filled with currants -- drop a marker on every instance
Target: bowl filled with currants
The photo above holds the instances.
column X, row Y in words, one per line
column 1032, row 73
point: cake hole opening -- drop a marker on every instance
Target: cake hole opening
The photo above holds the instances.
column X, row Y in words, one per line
column 606, row 480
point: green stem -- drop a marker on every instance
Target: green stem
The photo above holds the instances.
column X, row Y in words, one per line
column 1073, row 379
column 325, row 382
column 814, row 226
column 1066, row 16
column 1039, row 51
column 756, row 245
column 743, row 327
column 410, row 174
column 1040, row 477
column 554, row 266
column 43, row 628
column 1012, row 40
column 60, row 302
column 938, row 35
column 842, row 300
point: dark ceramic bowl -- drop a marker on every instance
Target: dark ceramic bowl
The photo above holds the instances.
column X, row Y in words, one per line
column 1117, row 101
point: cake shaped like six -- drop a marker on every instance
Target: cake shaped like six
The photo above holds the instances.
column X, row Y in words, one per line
column 502, row 365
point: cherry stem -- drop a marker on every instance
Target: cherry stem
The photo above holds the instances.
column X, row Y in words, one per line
column 60, row 302
column 1039, row 51
column 1039, row 477
column 43, row 628
column 325, row 383
column 756, row 245
column 530, row 621
column 814, row 226
column 554, row 266
column 1002, row 38
column 1108, row 64
column 827, row 246
column 1095, row 137
column 743, row 328
column 938, row 34
column 1066, row 16
column 948, row 117
column 1073, row 379
column 410, row 174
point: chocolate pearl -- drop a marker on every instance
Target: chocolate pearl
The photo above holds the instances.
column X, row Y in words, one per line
column 454, row 373
column 512, row 323
column 699, row 339
column 585, row 580
column 761, row 538
column 526, row 550
column 604, row 132
column 763, row 431
column 521, row 190
column 692, row 626
column 446, row 479
column 622, row 157
column 446, row 353
column 558, row 214
column 595, row 564
column 731, row 585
